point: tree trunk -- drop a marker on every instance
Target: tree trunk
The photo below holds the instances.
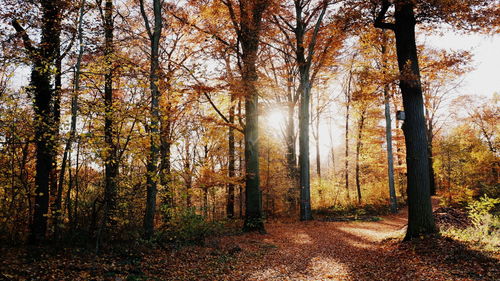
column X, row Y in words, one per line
column 388, row 130
column 152, row 165
column 241, row 171
column 187, row 171
column 291, row 156
column 420, row 219
column 304, row 164
column 430, row 136
column 74, row 110
column 56, row 190
column 110, row 158
column 358, row 151
column 231, row 162
column 43, row 59
column 250, row 25
column 165, row 167
column 346, row 166
column 318, row 154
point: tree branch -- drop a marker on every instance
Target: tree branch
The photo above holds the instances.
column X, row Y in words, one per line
column 146, row 19
column 379, row 21
column 28, row 44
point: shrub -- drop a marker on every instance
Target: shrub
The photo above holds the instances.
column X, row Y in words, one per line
column 482, row 216
column 187, row 227
column 485, row 230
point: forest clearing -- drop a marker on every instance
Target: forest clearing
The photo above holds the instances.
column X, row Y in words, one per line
column 249, row 140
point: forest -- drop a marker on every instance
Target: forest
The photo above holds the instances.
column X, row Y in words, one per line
column 246, row 140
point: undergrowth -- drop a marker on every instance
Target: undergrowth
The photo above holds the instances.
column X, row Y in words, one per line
column 484, row 233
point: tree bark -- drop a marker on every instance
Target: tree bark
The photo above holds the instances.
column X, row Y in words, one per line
column 388, row 129
column 231, row 162
column 110, row 157
column 359, row 144
column 304, row 62
column 430, row 137
column 250, row 25
column 420, row 219
column 43, row 59
column 152, row 164
column 347, row 113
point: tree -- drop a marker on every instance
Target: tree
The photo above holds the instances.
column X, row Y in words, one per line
column 43, row 61
column 305, row 43
column 441, row 76
column 111, row 162
column 420, row 220
column 478, row 15
column 154, row 34
column 249, row 30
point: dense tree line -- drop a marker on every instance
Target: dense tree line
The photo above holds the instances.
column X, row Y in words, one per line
column 150, row 109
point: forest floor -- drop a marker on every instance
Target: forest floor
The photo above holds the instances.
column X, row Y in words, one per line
column 316, row 250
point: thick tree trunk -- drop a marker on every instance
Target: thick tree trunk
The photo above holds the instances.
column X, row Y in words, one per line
column 250, row 25
column 420, row 219
column 304, row 115
column 152, row 165
column 43, row 61
column 304, row 164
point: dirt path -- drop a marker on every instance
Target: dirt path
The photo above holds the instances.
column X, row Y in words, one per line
column 354, row 251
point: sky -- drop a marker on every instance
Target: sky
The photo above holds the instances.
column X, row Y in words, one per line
column 485, row 79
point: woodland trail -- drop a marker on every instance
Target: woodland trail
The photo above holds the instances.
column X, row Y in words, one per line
column 357, row 251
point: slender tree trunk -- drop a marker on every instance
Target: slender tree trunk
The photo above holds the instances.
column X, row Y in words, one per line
column 359, row 144
column 110, row 159
column 74, row 109
column 388, row 129
column 318, row 154
column 77, row 186
column 291, row 156
column 231, row 162
column 430, row 136
column 241, row 171
column 152, row 165
column 56, row 192
column 68, row 192
column 346, row 166
column 165, row 167
column 187, row 171
column 390, row 160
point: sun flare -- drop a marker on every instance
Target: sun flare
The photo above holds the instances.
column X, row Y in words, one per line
column 276, row 119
